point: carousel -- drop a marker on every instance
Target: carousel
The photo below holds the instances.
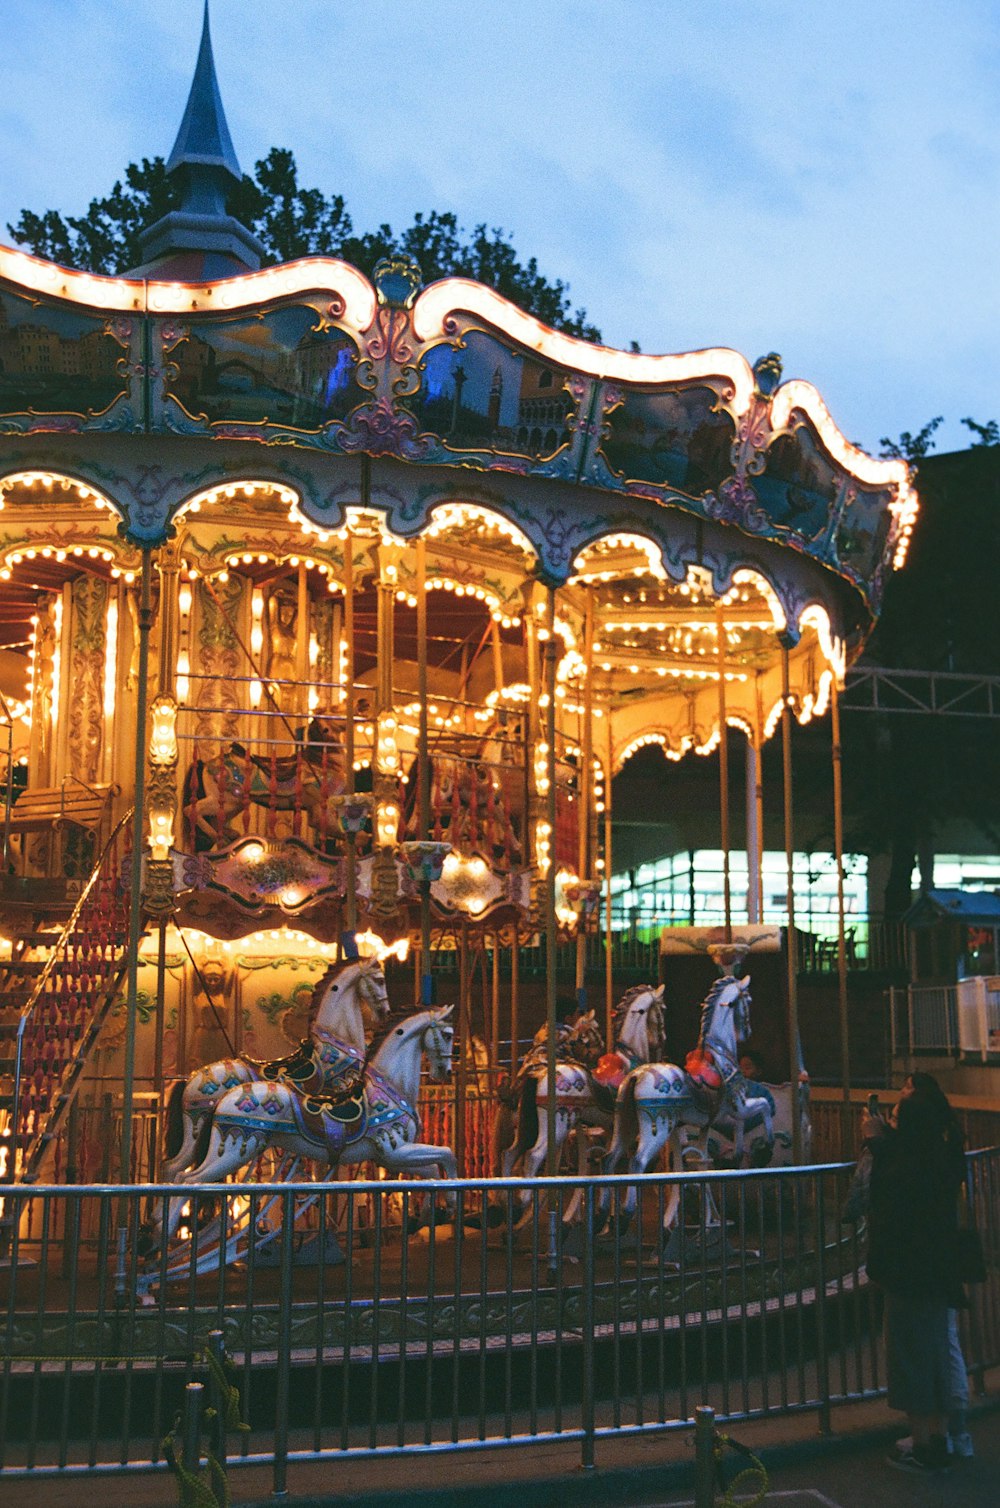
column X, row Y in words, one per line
column 330, row 608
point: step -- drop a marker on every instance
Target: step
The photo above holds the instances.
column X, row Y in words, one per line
column 23, row 965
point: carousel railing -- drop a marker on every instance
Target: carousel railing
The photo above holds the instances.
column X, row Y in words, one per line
column 66, row 1009
column 478, row 1320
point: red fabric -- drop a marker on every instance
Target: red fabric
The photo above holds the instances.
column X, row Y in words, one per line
column 701, row 1067
column 611, row 1069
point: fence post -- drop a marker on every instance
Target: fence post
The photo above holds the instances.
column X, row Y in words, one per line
column 704, row 1457
column 217, row 1431
column 587, row 1322
column 191, row 1444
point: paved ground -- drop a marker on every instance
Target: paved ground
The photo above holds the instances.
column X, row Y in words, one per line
column 846, row 1469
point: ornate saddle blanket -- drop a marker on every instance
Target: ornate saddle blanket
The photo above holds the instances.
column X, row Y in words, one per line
column 337, row 1121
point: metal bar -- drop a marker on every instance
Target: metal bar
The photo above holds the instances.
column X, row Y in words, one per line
column 794, row 1055
column 838, row 850
column 138, row 846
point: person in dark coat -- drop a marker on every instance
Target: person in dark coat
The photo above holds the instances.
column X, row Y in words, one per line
column 918, row 1167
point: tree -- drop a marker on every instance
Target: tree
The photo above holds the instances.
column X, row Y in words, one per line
column 292, row 221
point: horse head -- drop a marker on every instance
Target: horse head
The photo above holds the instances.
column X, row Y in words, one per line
column 725, row 1015
column 437, row 1042
column 586, row 1040
column 639, row 1022
column 351, row 985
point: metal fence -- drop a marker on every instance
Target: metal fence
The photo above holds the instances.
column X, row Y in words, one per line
column 366, row 1319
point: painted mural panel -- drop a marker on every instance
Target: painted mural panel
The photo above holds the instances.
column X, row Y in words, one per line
column 54, row 360
column 671, row 436
column 289, row 367
column 799, row 484
column 863, row 531
column 485, row 396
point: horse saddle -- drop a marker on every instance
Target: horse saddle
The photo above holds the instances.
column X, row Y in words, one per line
column 284, row 768
column 297, row 1067
column 331, row 1120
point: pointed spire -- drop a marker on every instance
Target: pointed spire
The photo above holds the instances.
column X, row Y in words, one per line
column 203, row 138
column 200, row 241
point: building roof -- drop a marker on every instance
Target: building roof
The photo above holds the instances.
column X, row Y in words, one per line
column 203, row 138
column 973, row 908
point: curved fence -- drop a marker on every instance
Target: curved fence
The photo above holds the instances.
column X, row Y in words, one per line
column 367, row 1319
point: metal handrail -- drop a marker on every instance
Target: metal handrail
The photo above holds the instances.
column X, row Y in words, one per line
column 43, row 978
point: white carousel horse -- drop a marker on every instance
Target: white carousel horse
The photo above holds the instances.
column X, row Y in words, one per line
column 657, row 1101
column 583, row 1098
column 379, row 1124
column 333, row 1053
column 217, row 790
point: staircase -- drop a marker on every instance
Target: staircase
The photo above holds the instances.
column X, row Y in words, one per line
column 56, row 989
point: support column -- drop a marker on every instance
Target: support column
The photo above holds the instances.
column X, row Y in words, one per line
column 423, row 773
column 791, row 949
column 727, row 895
column 753, row 831
column 585, row 785
column 551, row 656
column 838, row 850
column 609, row 996
column 138, row 845
column 351, row 885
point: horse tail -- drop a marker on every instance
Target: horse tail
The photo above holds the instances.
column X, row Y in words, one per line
column 504, row 1131
column 201, row 1142
column 194, row 783
column 175, row 1118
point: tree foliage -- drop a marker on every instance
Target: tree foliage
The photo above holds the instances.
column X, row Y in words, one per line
column 293, row 221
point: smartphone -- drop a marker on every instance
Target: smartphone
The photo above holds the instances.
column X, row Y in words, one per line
column 873, row 1104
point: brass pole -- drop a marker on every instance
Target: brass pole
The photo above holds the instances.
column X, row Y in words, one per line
column 759, row 800
column 465, row 1042
column 351, row 901
column 515, row 1002
column 423, row 771
column 495, row 1006
column 551, row 936
column 161, row 990
column 609, row 993
column 838, row 847
column 793, row 983
column 138, row 845
column 585, row 786
column 302, row 642
column 727, row 896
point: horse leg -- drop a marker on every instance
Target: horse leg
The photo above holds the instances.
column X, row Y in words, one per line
column 422, row 1160
column 572, row 1210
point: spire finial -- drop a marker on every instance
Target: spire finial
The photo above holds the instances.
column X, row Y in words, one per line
column 203, row 139
column 201, row 240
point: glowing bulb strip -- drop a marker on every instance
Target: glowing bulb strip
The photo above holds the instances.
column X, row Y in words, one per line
column 449, row 516
column 635, row 542
column 323, row 275
column 800, row 395
column 436, row 303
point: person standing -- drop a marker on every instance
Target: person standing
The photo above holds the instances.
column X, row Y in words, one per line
column 918, row 1168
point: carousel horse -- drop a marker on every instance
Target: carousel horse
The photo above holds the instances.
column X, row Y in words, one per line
column 578, row 1041
column 217, row 790
column 469, row 807
column 330, row 1056
column 584, row 1098
column 657, row 1102
column 378, row 1123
